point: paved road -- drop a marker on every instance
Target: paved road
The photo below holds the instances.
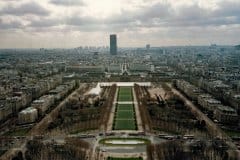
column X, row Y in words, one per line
column 111, row 117
column 137, row 112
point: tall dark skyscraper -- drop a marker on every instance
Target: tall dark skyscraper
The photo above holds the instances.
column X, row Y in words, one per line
column 113, row 44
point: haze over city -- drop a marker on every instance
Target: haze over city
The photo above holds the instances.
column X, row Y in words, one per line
column 70, row 23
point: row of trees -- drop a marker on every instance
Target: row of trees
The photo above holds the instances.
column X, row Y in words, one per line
column 166, row 151
column 174, row 116
column 173, row 150
column 42, row 126
column 71, row 118
column 73, row 149
column 142, row 95
column 78, row 115
column 107, row 106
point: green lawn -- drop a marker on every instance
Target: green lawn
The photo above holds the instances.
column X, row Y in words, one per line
column 128, row 107
column 18, row 132
column 125, row 115
column 112, row 158
column 125, row 124
column 125, row 94
column 232, row 133
column 2, row 151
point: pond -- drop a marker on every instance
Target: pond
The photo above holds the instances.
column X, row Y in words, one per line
column 124, row 141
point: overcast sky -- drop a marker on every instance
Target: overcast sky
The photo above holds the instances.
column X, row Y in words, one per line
column 73, row 23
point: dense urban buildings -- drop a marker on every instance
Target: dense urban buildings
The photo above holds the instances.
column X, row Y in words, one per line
column 96, row 106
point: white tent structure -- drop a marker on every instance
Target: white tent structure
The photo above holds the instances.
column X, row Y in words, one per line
column 97, row 90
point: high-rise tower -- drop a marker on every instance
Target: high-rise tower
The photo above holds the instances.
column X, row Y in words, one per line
column 113, row 44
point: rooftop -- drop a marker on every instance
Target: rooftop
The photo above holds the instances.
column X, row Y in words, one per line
column 130, row 84
column 28, row 110
column 226, row 108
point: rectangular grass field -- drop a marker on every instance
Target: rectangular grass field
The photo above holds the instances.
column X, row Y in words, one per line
column 125, row 115
column 125, row 94
column 112, row 158
column 124, row 124
column 122, row 107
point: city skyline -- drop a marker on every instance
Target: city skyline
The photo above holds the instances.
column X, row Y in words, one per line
column 73, row 23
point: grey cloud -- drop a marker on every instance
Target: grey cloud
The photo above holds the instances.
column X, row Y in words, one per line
column 157, row 15
column 196, row 16
column 126, row 17
column 193, row 12
column 67, row 2
column 227, row 8
column 144, row 14
column 159, row 10
column 80, row 21
column 144, row 17
column 26, row 8
column 12, row 25
column 162, row 15
column 46, row 22
column 73, row 23
column 89, row 24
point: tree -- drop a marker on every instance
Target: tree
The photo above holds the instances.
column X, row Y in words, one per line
column 19, row 156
